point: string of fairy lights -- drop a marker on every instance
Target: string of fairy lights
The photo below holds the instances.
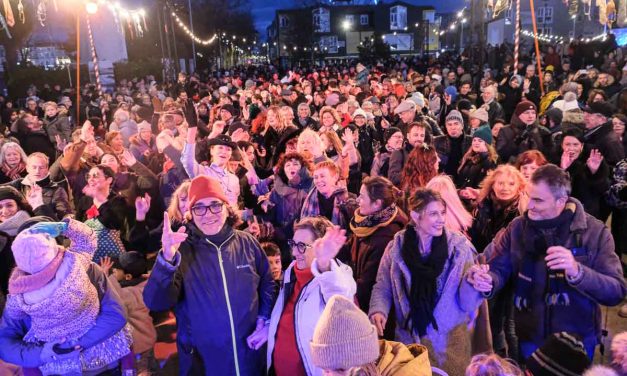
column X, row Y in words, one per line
column 550, row 38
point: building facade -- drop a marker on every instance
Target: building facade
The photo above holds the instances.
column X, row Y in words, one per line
column 552, row 20
column 336, row 31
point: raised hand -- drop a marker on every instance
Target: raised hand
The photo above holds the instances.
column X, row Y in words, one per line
column 253, row 227
column 239, row 135
column 35, row 196
column 87, row 131
column 171, row 240
column 127, row 158
column 142, row 205
column 594, row 161
column 348, row 136
column 61, row 143
column 245, row 161
column 327, row 247
column 566, row 160
column 106, row 264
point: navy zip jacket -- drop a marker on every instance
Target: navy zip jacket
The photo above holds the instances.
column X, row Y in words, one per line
column 223, row 284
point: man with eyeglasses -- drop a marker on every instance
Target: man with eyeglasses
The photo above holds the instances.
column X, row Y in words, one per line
column 220, row 278
column 308, row 283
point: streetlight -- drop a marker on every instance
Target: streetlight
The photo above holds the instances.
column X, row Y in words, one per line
column 461, row 34
column 346, row 25
column 574, row 18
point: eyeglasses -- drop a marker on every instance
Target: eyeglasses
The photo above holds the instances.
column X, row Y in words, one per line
column 214, row 208
column 300, row 247
column 92, row 176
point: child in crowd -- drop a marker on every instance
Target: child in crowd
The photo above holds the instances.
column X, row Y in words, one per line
column 51, row 287
column 129, row 275
column 273, row 252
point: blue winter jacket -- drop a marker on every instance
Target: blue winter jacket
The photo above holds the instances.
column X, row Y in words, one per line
column 223, row 284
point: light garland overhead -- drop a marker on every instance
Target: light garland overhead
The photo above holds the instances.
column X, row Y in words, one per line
column 543, row 37
column 196, row 39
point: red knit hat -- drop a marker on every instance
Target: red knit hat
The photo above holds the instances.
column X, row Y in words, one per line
column 524, row 106
column 202, row 187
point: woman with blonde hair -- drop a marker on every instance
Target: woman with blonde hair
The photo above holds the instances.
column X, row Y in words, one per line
column 179, row 205
column 501, row 199
column 492, row 365
column 12, row 162
column 457, row 217
column 274, row 129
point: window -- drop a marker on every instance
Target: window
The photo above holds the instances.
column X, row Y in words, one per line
column 398, row 17
column 321, row 20
column 283, row 22
column 545, row 15
column 545, row 30
column 350, row 18
column 364, row 19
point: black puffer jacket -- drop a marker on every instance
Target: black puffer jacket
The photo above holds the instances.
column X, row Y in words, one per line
column 474, row 170
column 517, row 138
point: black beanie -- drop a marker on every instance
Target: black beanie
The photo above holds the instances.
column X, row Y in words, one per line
column 10, row 193
column 562, row 354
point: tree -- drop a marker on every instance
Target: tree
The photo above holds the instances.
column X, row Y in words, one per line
column 373, row 49
column 20, row 32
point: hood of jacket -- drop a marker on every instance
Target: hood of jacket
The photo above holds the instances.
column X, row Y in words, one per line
column 398, row 359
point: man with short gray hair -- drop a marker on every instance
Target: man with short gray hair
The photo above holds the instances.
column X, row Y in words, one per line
column 562, row 264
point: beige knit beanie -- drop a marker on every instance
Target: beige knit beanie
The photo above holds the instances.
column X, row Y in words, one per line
column 344, row 337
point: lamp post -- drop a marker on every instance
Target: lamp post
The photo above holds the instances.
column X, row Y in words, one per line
column 574, row 18
column 191, row 26
column 461, row 34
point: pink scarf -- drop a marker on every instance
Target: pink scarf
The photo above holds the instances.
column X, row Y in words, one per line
column 22, row 282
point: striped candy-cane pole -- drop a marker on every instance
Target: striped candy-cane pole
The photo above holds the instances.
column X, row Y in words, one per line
column 94, row 57
column 517, row 36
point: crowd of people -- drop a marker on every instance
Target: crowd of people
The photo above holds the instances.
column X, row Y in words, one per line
column 407, row 218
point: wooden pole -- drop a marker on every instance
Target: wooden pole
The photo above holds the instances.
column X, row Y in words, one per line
column 78, row 66
column 517, row 37
column 535, row 39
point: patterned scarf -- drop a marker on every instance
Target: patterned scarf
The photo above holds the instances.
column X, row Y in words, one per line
column 13, row 172
column 311, row 206
column 364, row 226
column 537, row 237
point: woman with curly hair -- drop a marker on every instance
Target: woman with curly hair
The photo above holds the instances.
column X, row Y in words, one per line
column 329, row 119
column 292, row 182
column 422, row 165
column 274, row 128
